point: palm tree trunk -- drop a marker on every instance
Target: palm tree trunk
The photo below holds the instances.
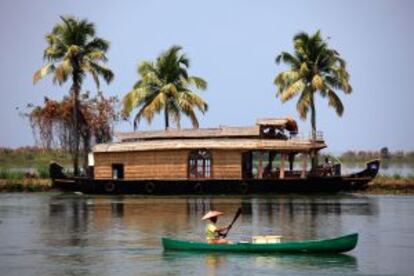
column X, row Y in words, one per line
column 167, row 117
column 86, row 148
column 313, row 124
column 76, row 131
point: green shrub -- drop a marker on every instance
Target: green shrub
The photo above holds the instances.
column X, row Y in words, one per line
column 11, row 175
column 30, row 157
column 397, row 176
column 3, row 173
column 43, row 171
column 31, row 188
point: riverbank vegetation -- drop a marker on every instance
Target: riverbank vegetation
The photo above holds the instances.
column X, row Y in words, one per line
column 25, row 185
column 387, row 157
column 25, row 158
column 51, row 123
column 392, row 184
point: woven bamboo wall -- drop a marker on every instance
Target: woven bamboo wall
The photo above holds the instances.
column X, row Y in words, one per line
column 226, row 164
column 170, row 164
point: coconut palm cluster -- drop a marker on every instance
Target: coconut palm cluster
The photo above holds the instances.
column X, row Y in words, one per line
column 164, row 86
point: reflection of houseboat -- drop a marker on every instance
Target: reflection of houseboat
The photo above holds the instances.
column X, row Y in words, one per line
column 268, row 157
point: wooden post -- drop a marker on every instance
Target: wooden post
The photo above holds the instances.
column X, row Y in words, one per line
column 282, row 166
column 304, row 157
column 260, row 173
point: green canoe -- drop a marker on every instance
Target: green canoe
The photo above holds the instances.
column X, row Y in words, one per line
column 334, row 245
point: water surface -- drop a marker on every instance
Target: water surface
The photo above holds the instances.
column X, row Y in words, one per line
column 56, row 234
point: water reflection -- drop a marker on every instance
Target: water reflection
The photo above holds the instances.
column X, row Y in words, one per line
column 216, row 263
column 293, row 217
column 52, row 234
column 88, row 231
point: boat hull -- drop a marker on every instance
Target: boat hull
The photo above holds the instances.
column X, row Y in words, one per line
column 223, row 186
column 335, row 245
column 310, row 184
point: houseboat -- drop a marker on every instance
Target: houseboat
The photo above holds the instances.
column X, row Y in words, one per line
column 268, row 157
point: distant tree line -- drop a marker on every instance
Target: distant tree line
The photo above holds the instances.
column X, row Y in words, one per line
column 383, row 154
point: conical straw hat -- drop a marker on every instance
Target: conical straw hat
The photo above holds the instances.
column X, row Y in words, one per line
column 211, row 214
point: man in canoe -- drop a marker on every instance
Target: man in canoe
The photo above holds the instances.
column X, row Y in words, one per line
column 213, row 233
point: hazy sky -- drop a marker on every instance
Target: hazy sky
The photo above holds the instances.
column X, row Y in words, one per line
column 232, row 44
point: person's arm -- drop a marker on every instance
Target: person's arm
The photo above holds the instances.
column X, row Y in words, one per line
column 221, row 230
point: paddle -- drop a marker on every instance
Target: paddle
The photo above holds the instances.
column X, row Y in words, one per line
column 234, row 220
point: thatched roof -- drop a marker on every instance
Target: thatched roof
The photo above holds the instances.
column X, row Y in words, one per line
column 221, row 132
column 224, row 144
column 208, row 133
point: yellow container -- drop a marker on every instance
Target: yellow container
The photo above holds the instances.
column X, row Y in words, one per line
column 266, row 239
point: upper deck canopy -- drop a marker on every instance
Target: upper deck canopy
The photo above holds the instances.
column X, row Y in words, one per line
column 217, row 143
column 208, row 133
column 268, row 134
column 200, row 133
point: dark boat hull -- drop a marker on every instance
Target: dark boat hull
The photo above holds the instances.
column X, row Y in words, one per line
column 315, row 184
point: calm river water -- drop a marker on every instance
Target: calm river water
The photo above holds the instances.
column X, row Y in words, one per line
column 55, row 234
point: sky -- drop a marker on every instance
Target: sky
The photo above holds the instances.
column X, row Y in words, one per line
column 232, row 44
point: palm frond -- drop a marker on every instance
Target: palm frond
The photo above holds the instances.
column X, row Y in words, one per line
column 103, row 71
column 303, row 103
column 96, row 56
column 335, row 102
column 289, row 59
column 192, row 99
column 133, row 99
column 42, row 72
column 145, row 67
column 97, row 44
column 284, row 79
column 318, row 83
column 198, row 82
column 149, row 109
column 62, row 71
column 292, row 90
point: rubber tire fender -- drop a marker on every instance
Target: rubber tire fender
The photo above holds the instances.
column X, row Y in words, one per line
column 110, row 187
column 149, row 188
column 243, row 187
column 198, row 188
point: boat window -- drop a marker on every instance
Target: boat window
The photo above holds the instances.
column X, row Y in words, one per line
column 199, row 164
column 117, row 171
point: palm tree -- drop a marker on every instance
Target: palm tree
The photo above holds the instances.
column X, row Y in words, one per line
column 74, row 51
column 165, row 85
column 314, row 67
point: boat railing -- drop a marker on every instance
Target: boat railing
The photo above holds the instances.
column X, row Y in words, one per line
column 306, row 136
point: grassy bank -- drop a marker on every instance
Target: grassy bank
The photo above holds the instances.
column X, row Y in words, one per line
column 25, row 185
column 40, row 172
column 392, row 184
column 27, row 169
column 31, row 157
